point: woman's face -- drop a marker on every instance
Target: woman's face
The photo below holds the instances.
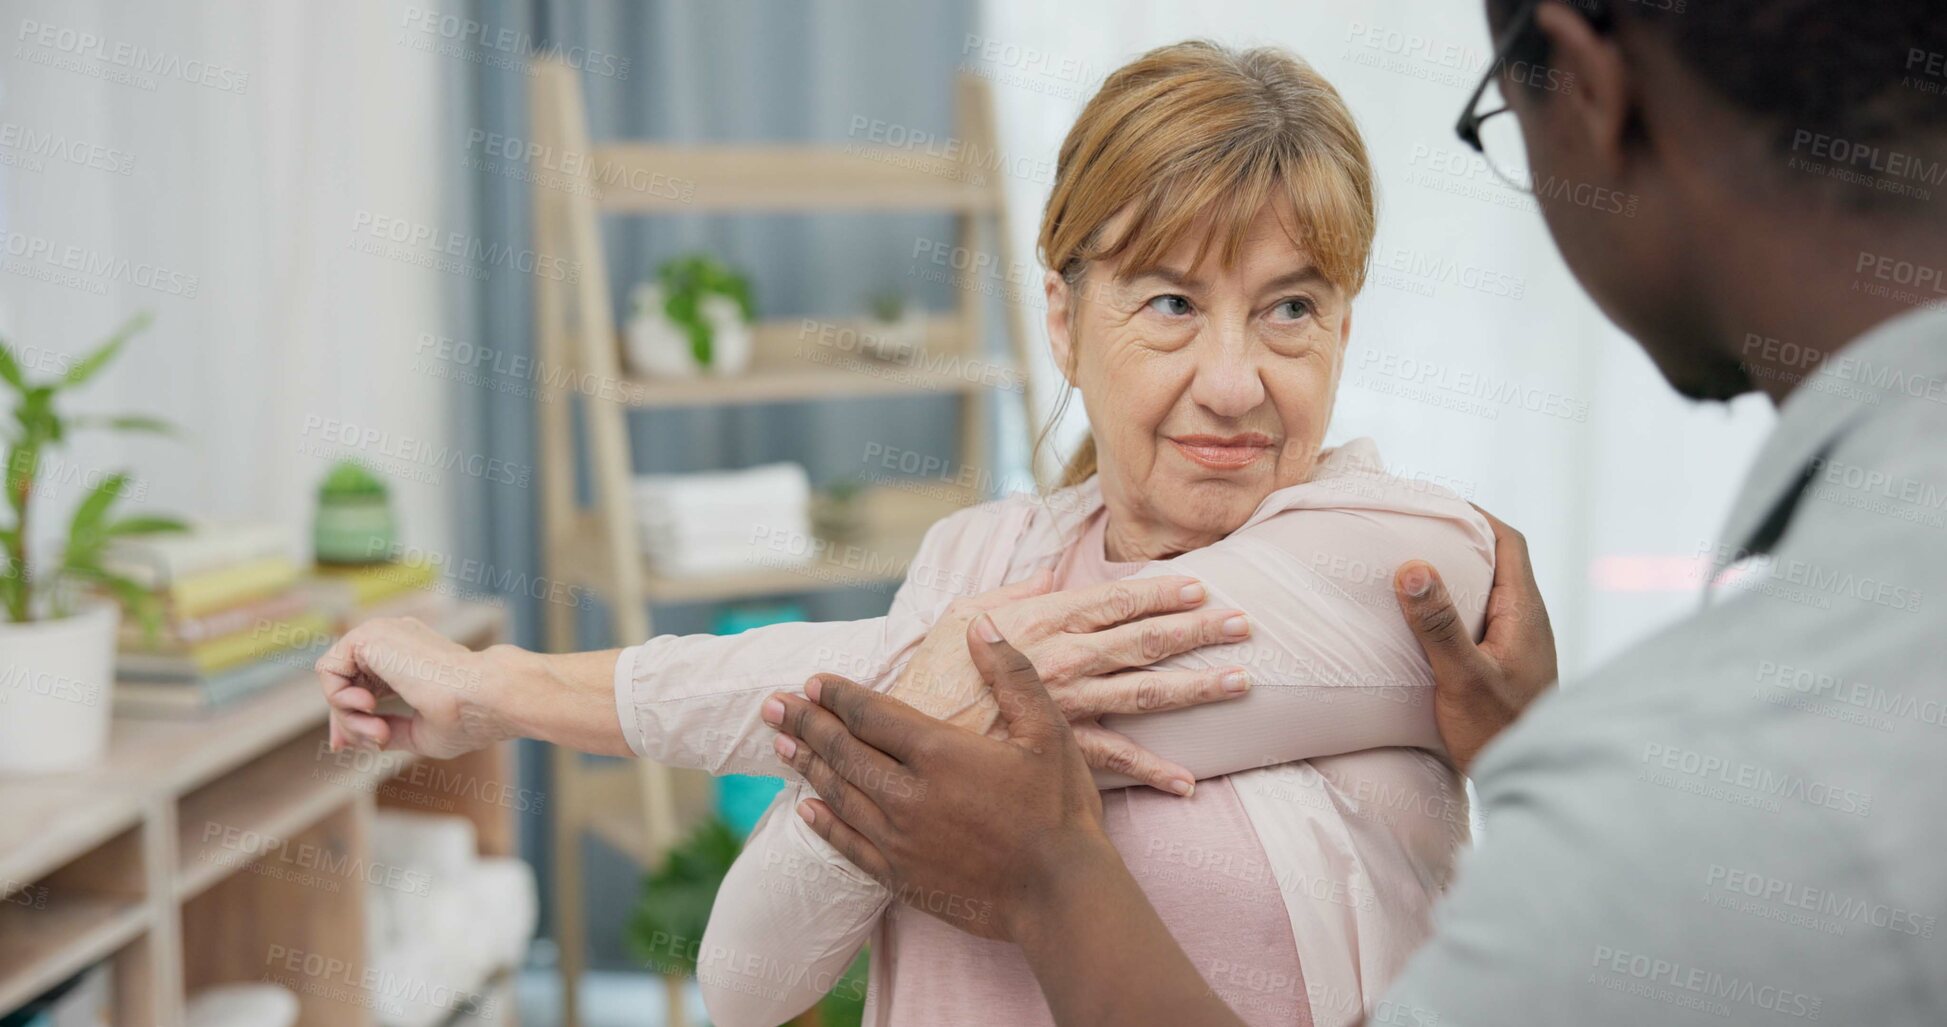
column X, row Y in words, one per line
column 1207, row 388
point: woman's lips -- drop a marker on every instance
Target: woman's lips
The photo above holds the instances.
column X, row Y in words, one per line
column 1223, row 453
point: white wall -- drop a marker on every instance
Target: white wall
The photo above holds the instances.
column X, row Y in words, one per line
column 251, row 134
column 1532, row 404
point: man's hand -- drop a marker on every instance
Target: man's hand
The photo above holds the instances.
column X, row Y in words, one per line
column 442, row 681
column 958, row 824
column 1090, row 646
column 1478, row 690
column 1001, row 838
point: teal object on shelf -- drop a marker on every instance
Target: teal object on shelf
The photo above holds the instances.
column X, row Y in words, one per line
column 741, row 618
column 743, row 798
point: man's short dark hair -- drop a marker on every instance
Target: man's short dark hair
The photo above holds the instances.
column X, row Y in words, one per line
column 1869, row 71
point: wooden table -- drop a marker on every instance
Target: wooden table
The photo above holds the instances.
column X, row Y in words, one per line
column 233, row 847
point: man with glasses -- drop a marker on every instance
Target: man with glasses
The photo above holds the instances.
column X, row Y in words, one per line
column 1741, row 820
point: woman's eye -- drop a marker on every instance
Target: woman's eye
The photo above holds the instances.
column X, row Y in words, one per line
column 1294, row 309
column 1172, row 305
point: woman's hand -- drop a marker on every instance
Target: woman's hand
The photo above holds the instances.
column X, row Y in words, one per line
column 443, row 682
column 1084, row 645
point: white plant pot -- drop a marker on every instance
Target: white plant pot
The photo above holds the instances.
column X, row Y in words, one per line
column 659, row 349
column 895, row 341
column 55, row 681
column 731, row 341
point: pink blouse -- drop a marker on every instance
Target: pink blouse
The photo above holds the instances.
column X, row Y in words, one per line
column 1198, row 860
column 1330, row 759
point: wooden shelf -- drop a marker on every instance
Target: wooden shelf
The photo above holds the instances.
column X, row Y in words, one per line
column 41, row 947
column 43, row 825
column 895, row 522
column 646, row 178
column 100, row 862
column 610, row 792
column 804, row 360
column 242, row 817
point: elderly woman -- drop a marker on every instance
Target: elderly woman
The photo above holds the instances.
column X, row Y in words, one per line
column 1209, row 225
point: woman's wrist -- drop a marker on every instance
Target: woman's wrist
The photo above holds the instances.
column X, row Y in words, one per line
column 567, row 699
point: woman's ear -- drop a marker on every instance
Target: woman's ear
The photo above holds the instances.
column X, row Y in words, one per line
column 1345, row 346
column 1060, row 346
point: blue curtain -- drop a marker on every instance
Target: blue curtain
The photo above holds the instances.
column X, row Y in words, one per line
column 693, row 71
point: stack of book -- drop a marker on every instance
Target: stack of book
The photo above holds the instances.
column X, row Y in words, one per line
column 403, row 588
column 236, row 619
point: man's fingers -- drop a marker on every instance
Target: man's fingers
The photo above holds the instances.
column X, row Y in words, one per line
column 849, row 793
column 874, row 718
column 1101, row 606
column 817, row 734
column 1106, row 750
column 1515, row 604
column 1438, row 626
column 1026, row 709
column 847, row 840
column 1149, row 641
column 1150, row 691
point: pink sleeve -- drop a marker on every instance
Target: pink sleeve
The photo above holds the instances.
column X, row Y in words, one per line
column 693, row 700
column 792, row 912
column 1333, row 666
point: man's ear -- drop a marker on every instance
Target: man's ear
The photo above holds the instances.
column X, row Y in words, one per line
column 1060, row 345
column 1600, row 99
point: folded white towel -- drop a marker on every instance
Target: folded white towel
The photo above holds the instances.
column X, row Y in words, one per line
column 441, row 845
column 724, row 522
column 241, row 1005
column 705, row 495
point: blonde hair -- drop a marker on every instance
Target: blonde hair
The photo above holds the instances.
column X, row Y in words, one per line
column 1193, row 129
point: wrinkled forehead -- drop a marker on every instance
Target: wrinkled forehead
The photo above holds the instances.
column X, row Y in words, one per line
column 1271, row 241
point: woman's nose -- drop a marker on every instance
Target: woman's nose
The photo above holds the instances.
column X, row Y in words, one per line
column 1229, row 382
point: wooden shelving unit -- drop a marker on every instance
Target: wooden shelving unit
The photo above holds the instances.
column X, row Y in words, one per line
column 172, row 857
column 637, row 807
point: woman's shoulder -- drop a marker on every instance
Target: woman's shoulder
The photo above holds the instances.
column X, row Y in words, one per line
column 1353, row 503
column 1352, row 477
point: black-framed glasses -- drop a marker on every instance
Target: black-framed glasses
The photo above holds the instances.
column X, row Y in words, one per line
column 1487, row 125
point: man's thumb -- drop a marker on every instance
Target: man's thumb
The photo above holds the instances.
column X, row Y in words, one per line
column 1442, row 633
column 1024, row 703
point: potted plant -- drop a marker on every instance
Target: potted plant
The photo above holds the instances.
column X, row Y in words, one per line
column 57, row 638
column 695, row 316
column 354, row 524
column 897, row 328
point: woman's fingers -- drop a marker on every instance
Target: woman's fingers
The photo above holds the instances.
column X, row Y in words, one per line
column 1033, row 585
column 1108, row 750
column 849, row 843
column 1118, row 602
column 1146, row 642
column 1150, row 691
column 354, row 698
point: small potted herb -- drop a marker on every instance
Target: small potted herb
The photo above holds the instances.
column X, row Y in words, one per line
column 354, row 524
column 696, row 316
column 896, row 330
column 58, row 619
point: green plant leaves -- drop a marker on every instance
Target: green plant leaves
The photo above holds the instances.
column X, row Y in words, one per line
column 10, row 368
column 89, row 366
column 676, row 898
column 38, row 425
column 686, row 281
